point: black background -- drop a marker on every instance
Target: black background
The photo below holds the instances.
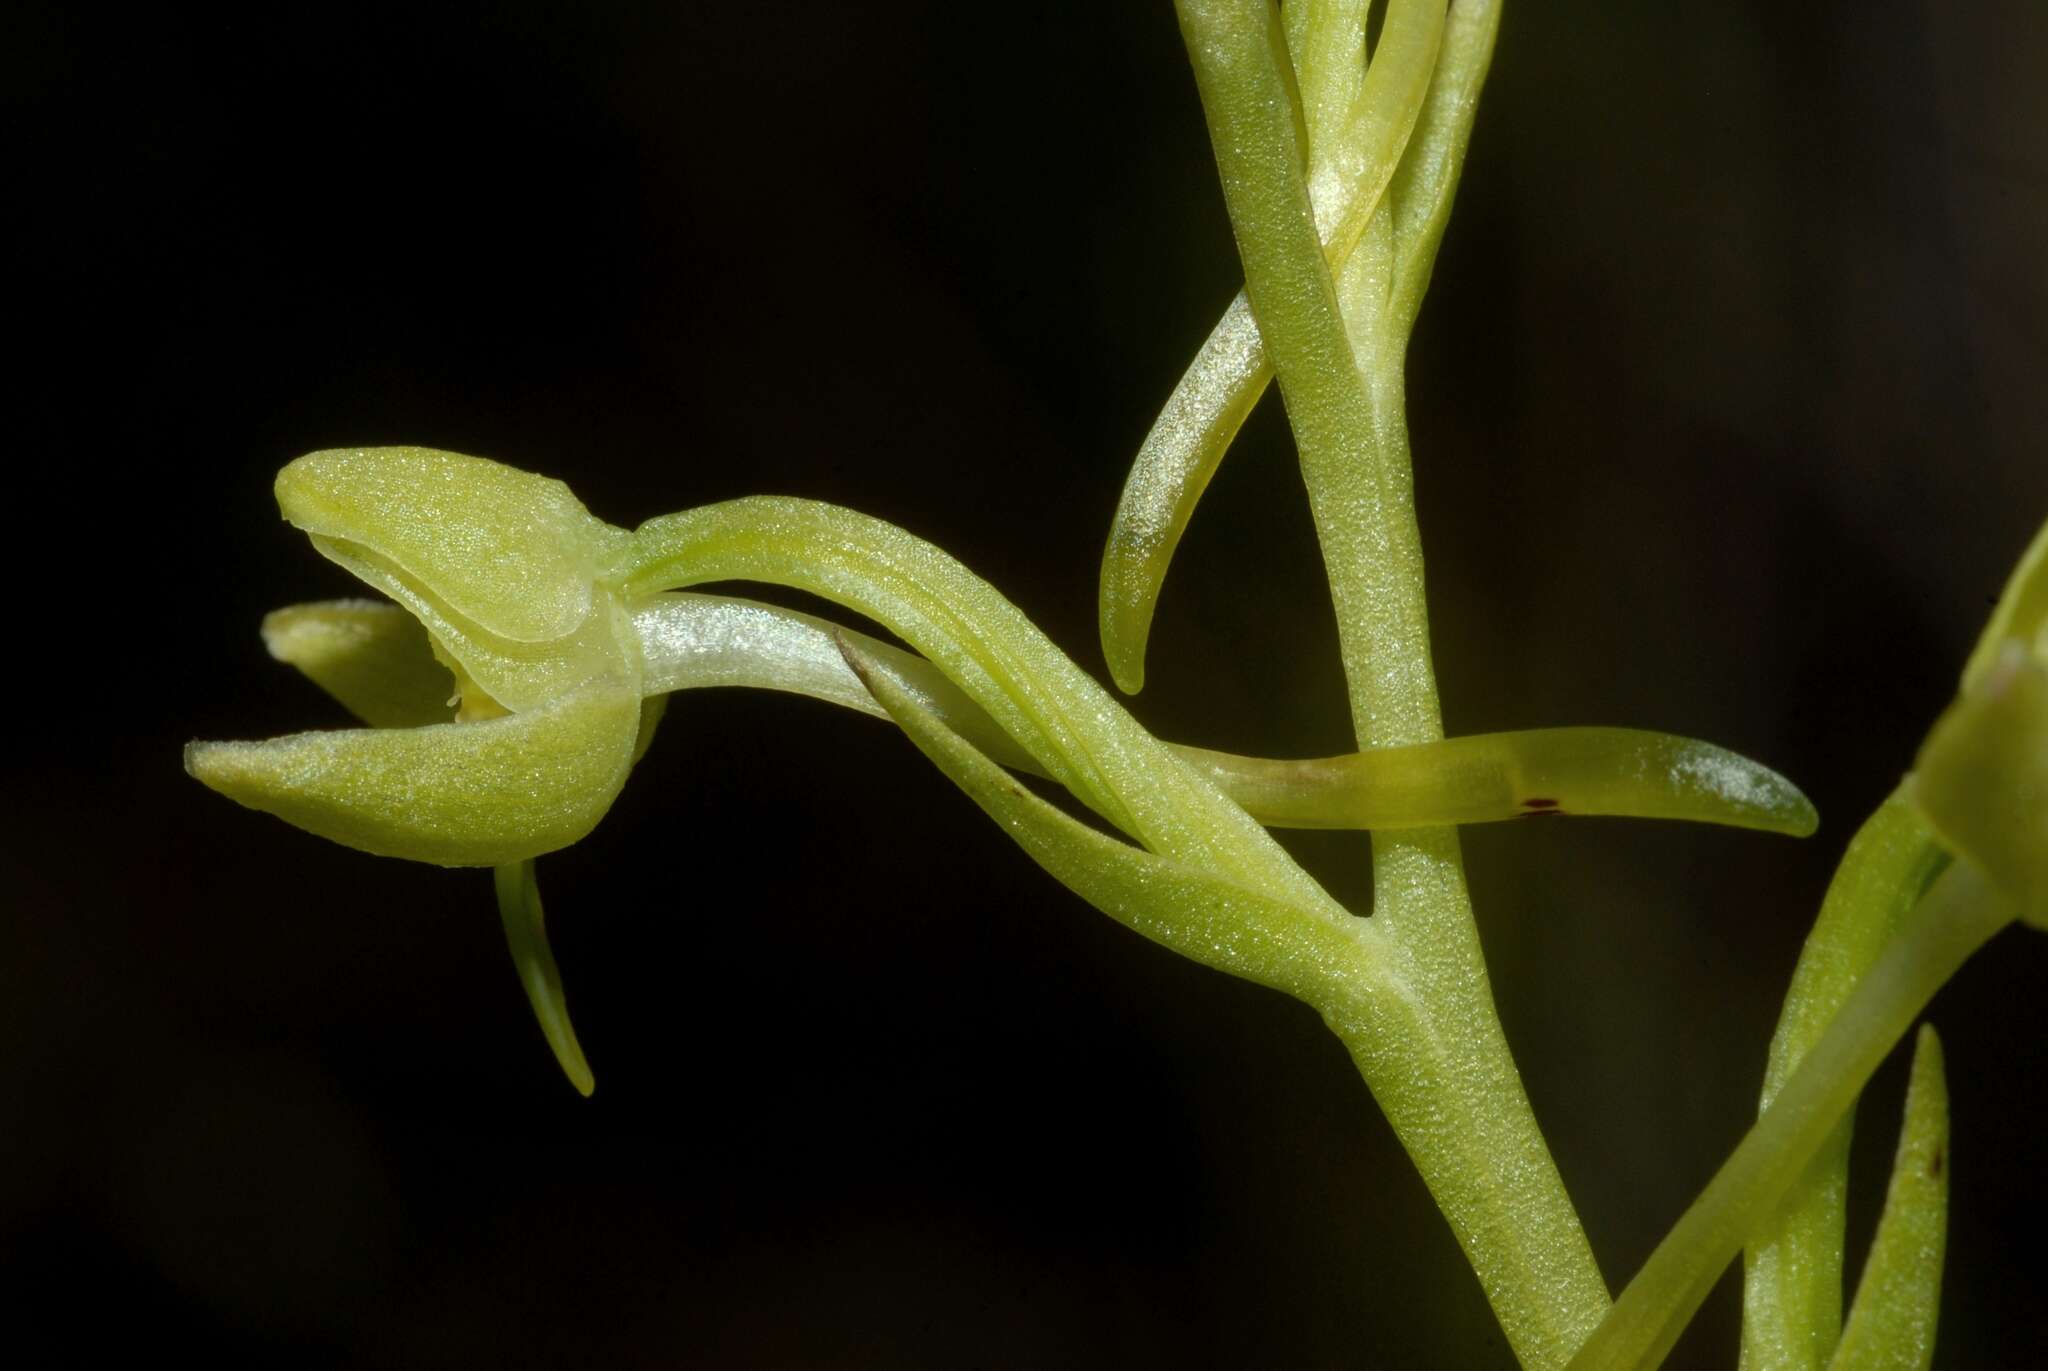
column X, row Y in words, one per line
column 1727, row 421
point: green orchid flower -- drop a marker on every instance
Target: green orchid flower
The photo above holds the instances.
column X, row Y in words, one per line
column 499, row 571
column 517, row 673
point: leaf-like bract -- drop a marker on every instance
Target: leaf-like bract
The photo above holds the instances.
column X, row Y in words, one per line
column 1898, row 1301
column 1247, row 932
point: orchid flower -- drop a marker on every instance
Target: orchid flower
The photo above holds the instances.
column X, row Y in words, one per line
column 517, row 672
column 498, row 570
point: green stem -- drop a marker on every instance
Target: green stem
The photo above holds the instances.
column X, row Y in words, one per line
column 1957, row 916
column 1435, row 1056
column 1181, row 452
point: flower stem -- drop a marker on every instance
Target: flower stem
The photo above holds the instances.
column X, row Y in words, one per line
column 1434, row 1055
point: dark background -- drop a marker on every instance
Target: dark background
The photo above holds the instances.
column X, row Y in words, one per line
column 1727, row 421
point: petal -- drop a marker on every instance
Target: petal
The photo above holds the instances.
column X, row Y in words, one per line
column 2022, row 613
column 373, row 657
column 688, row 641
column 518, row 675
column 1260, row 935
column 1349, row 175
column 514, row 553
column 1982, row 777
column 471, row 794
column 1181, row 452
column 1326, row 44
column 1047, row 705
column 652, row 710
column 1481, row 777
column 1427, row 179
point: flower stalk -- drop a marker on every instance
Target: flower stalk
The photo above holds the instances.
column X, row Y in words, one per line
column 1435, row 1056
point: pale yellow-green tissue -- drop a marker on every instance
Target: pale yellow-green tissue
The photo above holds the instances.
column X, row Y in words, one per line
column 1982, row 776
column 500, row 569
column 372, row 656
column 455, row 794
column 522, row 669
column 512, row 610
column 1982, row 779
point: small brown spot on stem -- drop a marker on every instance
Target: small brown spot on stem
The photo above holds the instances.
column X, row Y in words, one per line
column 1935, row 1162
column 1539, row 802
